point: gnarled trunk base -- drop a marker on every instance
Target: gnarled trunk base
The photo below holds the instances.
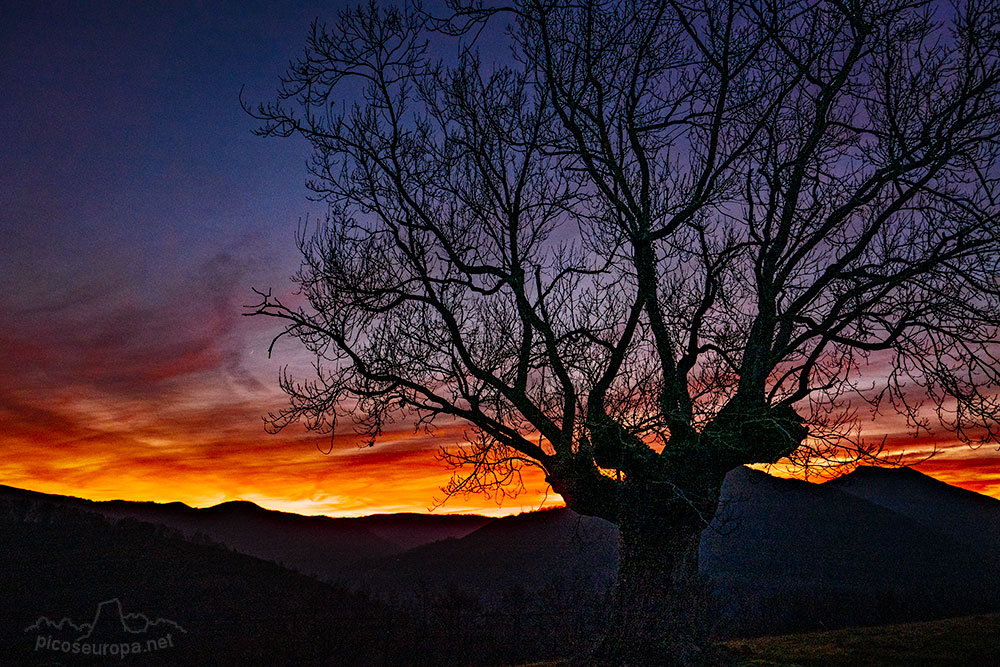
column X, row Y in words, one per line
column 659, row 611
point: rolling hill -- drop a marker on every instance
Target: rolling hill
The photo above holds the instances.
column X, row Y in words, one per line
column 319, row 546
column 787, row 555
column 875, row 546
column 75, row 578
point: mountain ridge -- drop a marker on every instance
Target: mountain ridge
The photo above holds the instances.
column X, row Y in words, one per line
column 781, row 554
column 319, row 546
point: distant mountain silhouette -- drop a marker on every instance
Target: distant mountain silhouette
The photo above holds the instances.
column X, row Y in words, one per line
column 224, row 608
column 409, row 530
column 872, row 547
column 530, row 550
column 781, row 555
column 316, row 545
column 965, row 516
column 786, row 554
column 772, row 528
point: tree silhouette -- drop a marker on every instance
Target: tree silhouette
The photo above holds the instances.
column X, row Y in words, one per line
column 647, row 243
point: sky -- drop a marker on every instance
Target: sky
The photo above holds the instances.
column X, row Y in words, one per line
column 137, row 212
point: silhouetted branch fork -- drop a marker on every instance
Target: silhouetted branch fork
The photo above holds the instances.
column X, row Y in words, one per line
column 660, row 241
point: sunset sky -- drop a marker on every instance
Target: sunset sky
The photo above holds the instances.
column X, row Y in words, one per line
column 137, row 211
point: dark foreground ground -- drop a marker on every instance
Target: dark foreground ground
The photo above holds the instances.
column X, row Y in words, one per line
column 969, row 641
column 972, row 641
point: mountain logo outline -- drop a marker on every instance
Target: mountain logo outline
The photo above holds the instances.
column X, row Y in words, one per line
column 108, row 619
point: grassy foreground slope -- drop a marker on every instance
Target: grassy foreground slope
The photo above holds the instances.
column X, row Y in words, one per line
column 971, row 641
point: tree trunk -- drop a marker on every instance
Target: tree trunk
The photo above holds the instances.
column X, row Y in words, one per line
column 659, row 610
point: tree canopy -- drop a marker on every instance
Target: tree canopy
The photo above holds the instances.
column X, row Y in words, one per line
column 642, row 243
column 646, row 215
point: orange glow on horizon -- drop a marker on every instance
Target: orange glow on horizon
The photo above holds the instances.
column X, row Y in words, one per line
column 145, row 429
column 400, row 474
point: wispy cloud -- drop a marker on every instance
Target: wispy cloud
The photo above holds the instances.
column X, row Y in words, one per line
column 107, row 392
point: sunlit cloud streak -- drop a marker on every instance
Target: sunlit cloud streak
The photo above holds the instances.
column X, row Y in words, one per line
column 137, row 211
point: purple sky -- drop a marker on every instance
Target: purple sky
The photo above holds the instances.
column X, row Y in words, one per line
column 137, row 210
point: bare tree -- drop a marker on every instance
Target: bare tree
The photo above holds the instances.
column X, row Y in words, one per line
column 648, row 243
